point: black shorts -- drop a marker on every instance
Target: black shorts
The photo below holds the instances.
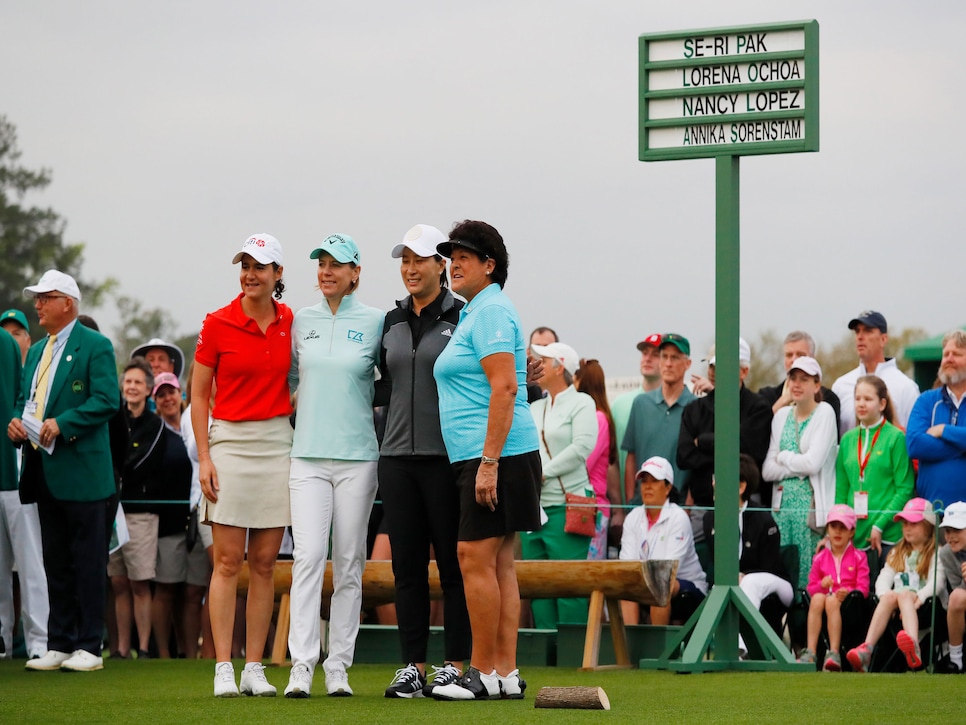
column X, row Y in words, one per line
column 518, row 483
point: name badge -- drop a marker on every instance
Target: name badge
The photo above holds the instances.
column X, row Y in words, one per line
column 861, row 504
column 30, row 407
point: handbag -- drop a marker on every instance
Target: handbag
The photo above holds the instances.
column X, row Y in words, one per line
column 581, row 513
column 581, row 510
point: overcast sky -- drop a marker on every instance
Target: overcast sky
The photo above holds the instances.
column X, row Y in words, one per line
column 174, row 130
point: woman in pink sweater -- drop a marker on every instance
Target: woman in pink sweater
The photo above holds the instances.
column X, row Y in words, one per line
column 590, row 379
column 837, row 571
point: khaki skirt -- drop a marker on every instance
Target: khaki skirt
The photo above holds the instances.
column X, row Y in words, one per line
column 252, row 461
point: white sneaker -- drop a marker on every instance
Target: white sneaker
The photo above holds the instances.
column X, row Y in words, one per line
column 337, row 683
column 82, row 661
column 225, row 680
column 445, row 675
column 299, row 682
column 50, row 661
column 253, row 681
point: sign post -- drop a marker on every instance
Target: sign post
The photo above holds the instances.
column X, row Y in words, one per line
column 726, row 93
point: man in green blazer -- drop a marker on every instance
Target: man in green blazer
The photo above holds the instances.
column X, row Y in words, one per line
column 9, row 389
column 68, row 393
column 9, row 392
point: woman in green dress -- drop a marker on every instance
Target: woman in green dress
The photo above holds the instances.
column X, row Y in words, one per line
column 801, row 458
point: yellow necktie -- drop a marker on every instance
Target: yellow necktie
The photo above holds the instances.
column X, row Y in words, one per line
column 43, row 377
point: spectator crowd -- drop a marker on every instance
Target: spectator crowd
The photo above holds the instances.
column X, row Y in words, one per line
column 129, row 502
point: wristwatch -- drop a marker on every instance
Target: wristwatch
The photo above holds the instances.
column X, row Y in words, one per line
column 487, row 459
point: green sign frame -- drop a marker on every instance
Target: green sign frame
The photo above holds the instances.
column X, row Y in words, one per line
column 725, row 92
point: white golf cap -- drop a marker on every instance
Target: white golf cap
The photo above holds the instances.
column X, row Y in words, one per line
column 955, row 516
column 657, row 467
column 744, row 353
column 807, row 365
column 263, row 248
column 54, row 281
column 422, row 239
column 567, row 356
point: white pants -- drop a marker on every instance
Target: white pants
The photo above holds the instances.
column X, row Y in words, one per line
column 759, row 585
column 20, row 543
column 338, row 495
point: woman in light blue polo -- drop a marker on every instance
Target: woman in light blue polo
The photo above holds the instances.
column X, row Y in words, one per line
column 491, row 440
column 334, row 455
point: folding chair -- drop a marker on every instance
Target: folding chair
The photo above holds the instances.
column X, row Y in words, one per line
column 886, row 656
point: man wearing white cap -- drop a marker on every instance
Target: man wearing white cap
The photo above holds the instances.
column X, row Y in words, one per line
column 68, row 393
column 695, row 452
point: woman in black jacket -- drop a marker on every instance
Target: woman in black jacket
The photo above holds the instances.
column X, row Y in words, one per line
column 133, row 566
column 416, row 481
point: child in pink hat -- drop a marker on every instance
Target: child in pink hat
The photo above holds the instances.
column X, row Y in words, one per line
column 837, row 571
column 905, row 582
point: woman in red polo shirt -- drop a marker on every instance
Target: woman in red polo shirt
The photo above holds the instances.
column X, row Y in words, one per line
column 246, row 350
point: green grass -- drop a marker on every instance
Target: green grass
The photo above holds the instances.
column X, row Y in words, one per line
column 175, row 691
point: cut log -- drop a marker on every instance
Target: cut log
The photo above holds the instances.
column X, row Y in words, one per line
column 646, row 582
column 643, row 582
column 574, row 698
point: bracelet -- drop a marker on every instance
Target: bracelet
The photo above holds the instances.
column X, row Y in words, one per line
column 487, row 459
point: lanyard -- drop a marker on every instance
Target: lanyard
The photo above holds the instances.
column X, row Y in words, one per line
column 863, row 464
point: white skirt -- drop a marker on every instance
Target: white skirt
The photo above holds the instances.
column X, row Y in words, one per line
column 251, row 459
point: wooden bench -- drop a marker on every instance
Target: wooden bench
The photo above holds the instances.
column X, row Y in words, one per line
column 605, row 583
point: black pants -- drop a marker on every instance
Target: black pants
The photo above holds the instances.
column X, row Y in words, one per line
column 75, row 558
column 421, row 506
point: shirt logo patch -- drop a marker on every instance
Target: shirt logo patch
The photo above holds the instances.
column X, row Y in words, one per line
column 498, row 337
column 354, row 336
column 313, row 335
column 446, row 333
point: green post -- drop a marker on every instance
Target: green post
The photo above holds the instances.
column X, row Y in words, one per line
column 727, row 308
column 717, row 620
column 703, row 94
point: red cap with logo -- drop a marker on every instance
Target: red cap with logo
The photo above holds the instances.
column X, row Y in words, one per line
column 650, row 341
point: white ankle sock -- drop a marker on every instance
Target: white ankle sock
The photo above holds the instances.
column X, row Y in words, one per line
column 491, row 681
column 956, row 654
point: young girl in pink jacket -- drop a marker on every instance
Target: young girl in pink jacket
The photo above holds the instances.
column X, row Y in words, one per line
column 837, row 570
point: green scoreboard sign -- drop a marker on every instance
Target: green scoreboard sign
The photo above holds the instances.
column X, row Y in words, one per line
column 729, row 91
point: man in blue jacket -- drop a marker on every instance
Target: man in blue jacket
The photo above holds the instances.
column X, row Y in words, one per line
column 936, row 435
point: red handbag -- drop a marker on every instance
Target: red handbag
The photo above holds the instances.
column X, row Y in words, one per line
column 581, row 514
column 581, row 510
